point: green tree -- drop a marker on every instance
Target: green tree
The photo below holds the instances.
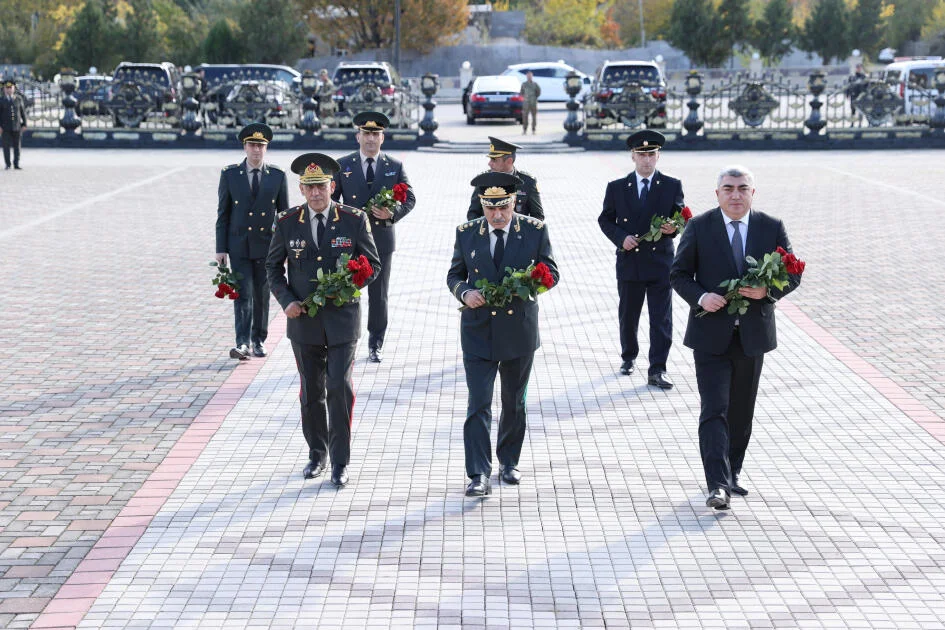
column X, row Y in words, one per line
column 90, row 40
column 182, row 32
column 906, row 19
column 566, row 23
column 826, row 31
column 140, row 38
column 696, row 29
column 655, row 20
column 774, row 33
column 221, row 45
column 735, row 24
column 866, row 27
column 272, row 31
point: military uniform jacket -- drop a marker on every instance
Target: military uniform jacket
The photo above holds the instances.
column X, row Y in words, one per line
column 346, row 232
column 498, row 334
column 705, row 259
column 624, row 215
column 352, row 188
column 527, row 200
column 244, row 226
column 531, row 92
column 12, row 113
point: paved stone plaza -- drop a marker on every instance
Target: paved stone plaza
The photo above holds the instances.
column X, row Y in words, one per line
column 147, row 480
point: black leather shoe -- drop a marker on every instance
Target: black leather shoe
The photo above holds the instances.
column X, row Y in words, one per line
column 17, row 167
column 240, row 352
column 510, row 475
column 375, row 356
column 659, row 380
column 259, row 350
column 313, row 469
column 479, row 486
column 627, row 367
column 738, row 489
column 718, row 499
column 339, row 475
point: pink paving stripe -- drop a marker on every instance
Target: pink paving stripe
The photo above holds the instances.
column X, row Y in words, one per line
column 76, row 597
column 886, row 387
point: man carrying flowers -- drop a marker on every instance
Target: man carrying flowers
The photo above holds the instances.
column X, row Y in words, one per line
column 501, row 263
column 322, row 242
column 732, row 242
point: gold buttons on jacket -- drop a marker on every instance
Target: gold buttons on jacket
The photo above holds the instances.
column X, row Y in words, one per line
column 250, row 229
column 624, row 220
column 510, row 311
column 319, row 258
column 236, row 202
column 250, row 214
column 475, row 271
column 493, row 313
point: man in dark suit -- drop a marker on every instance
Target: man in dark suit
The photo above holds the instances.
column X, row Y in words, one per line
column 250, row 195
column 630, row 204
column 502, row 160
column 728, row 348
column 12, row 122
column 311, row 238
column 363, row 174
column 495, row 339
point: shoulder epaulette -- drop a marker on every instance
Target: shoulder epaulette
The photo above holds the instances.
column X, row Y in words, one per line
column 275, row 168
column 286, row 213
column 226, row 168
column 349, row 209
column 470, row 224
column 537, row 223
column 519, row 171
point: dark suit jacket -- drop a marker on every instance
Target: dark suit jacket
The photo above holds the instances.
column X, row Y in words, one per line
column 351, row 187
column 623, row 215
column 527, row 200
column 12, row 113
column 488, row 332
column 705, row 259
column 244, row 226
column 348, row 232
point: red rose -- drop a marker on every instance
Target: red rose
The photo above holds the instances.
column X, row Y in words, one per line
column 234, row 295
column 686, row 213
column 541, row 269
column 795, row 267
column 400, row 192
column 548, row 280
column 781, row 251
column 220, row 294
column 353, row 265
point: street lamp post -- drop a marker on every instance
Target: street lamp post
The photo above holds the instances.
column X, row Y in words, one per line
column 397, row 35
column 642, row 30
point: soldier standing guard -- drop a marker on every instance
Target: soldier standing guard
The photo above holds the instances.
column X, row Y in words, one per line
column 502, row 160
column 250, row 195
column 326, row 94
column 12, row 122
column 363, row 174
column 310, row 239
column 530, row 91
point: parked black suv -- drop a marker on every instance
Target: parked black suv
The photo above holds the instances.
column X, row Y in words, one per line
column 370, row 84
column 145, row 91
column 221, row 78
column 614, row 76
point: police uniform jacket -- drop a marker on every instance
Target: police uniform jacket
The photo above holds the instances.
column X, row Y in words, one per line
column 624, row 215
column 346, row 232
column 12, row 113
column 244, row 226
column 352, row 188
column 498, row 334
column 705, row 259
column 527, row 199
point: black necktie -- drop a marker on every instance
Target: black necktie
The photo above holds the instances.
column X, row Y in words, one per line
column 738, row 251
column 370, row 171
column 255, row 184
column 499, row 250
column 320, row 230
column 644, row 191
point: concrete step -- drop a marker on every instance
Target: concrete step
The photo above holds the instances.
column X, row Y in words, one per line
column 483, row 147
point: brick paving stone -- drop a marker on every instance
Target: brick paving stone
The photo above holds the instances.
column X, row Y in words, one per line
column 93, row 400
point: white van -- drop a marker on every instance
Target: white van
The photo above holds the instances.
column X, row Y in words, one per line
column 550, row 76
column 913, row 81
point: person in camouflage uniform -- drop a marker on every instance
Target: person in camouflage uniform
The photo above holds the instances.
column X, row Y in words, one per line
column 530, row 92
column 325, row 92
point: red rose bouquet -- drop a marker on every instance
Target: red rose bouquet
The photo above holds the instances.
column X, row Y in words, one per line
column 679, row 220
column 340, row 286
column 389, row 197
column 771, row 271
column 226, row 281
column 525, row 284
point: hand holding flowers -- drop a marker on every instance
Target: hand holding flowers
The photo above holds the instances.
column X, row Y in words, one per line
column 770, row 272
column 341, row 286
column 384, row 203
column 677, row 222
column 226, row 281
column 525, row 284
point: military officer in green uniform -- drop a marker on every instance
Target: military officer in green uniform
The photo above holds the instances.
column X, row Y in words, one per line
column 530, row 91
column 308, row 239
column 502, row 160
column 325, row 94
column 496, row 340
column 12, row 122
column 250, row 195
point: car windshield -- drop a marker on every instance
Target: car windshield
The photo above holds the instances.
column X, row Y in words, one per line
column 621, row 75
column 497, row 84
column 355, row 76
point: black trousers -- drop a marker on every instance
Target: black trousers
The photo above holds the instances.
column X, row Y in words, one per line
column 377, row 303
column 251, row 308
column 11, row 139
column 327, row 399
column 659, row 301
column 480, row 381
column 728, row 386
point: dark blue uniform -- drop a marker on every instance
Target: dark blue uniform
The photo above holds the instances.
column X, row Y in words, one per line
column 244, row 229
column 12, row 121
column 494, row 340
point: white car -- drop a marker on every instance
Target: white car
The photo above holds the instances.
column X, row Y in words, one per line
column 550, row 76
column 914, row 82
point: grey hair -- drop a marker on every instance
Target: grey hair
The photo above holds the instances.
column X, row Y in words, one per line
column 736, row 170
